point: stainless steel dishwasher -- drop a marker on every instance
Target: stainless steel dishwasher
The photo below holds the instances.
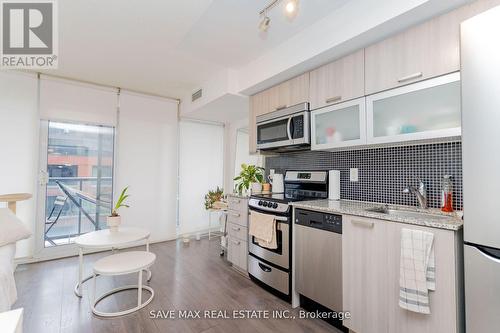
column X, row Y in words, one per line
column 318, row 257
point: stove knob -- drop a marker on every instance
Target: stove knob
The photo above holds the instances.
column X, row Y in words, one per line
column 275, row 205
column 260, row 202
column 264, row 203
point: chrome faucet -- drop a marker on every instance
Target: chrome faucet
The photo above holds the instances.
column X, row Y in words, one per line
column 420, row 193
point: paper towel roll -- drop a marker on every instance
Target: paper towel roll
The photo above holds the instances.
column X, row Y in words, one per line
column 334, row 185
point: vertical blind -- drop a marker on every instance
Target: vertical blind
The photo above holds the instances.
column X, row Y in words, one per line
column 201, row 159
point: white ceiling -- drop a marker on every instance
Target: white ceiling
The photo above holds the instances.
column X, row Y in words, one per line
column 169, row 47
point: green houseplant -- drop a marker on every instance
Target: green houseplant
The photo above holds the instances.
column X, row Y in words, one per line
column 114, row 220
column 212, row 197
column 251, row 176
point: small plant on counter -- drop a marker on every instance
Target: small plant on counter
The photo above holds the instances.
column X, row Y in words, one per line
column 213, row 196
column 249, row 175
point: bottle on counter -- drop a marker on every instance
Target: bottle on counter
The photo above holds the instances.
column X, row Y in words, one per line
column 447, row 194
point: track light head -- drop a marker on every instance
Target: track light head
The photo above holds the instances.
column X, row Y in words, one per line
column 264, row 23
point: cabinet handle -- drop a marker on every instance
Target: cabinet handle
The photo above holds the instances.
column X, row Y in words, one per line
column 236, row 228
column 235, row 242
column 363, row 224
column 281, row 107
column 333, row 99
column 410, row 77
column 234, row 214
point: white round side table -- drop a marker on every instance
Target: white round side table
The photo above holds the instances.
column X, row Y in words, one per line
column 120, row 264
column 107, row 240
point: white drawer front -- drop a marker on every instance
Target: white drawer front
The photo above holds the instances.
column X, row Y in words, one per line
column 238, row 217
column 237, row 231
column 237, row 204
column 237, row 252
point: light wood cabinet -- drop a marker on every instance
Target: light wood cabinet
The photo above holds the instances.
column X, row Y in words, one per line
column 259, row 104
column 427, row 50
column 364, row 264
column 288, row 93
column 445, row 301
column 370, row 262
column 237, row 229
column 338, row 81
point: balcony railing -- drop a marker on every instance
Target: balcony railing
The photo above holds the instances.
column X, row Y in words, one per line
column 78, row 216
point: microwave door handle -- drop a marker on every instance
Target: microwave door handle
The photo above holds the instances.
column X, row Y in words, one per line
column 289, row 128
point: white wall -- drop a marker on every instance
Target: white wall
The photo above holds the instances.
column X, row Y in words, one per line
column 147, row 163
column 19, row 146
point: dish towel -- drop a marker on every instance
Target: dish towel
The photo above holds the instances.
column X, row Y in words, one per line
column 263, row 228
column 417, row 270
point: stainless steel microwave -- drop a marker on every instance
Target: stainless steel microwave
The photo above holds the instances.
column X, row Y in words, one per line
column 285, row 130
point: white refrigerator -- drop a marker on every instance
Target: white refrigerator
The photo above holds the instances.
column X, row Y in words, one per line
column 480, row 57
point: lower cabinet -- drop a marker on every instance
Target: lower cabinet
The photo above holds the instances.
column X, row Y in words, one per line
column 371, row 255
column 364, row 265
column 237, row 231
column 237, row 253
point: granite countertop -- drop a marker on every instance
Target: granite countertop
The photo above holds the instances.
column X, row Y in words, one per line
column 358, row 208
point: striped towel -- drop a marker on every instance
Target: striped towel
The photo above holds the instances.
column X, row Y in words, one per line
column 417, row 270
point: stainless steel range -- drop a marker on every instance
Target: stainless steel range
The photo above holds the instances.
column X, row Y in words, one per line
column 272, row 268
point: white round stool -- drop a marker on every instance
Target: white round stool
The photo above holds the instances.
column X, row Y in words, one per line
column 120, row 264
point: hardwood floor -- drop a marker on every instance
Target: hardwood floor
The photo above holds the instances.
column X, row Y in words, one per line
column 190, row 277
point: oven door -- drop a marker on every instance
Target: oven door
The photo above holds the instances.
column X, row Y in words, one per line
column 274, row 133
column 281, row 255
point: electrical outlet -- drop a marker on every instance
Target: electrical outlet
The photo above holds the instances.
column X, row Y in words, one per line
column 354, row 174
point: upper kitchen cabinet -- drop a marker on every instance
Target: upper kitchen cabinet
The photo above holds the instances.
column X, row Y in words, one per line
column 339, row 125
column 288, row 93
column 259, row 104
column 428, row 50
column 425, row 51
column 424, row 110
column 338, row 81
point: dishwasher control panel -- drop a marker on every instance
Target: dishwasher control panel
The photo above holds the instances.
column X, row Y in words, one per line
column 318, row 220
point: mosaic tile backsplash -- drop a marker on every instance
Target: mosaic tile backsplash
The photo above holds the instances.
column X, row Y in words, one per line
column 385, row 172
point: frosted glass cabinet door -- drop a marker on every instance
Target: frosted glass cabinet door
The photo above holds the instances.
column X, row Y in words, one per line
column 339, row 125
column 424, row 110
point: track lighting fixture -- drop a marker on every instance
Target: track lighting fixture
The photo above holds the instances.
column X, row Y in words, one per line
column 291, row 9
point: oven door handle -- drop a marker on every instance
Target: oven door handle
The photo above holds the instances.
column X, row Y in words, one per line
column 289, row 128
column 265, row 268
column 276, row 217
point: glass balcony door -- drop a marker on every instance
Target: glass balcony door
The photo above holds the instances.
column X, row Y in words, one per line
column 76, row 181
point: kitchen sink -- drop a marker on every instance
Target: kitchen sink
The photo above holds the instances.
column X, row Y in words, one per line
column 406, row 213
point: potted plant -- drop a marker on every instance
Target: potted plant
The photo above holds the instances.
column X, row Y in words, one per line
column 115, row 220
column 214, row 199
column 250, row 177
